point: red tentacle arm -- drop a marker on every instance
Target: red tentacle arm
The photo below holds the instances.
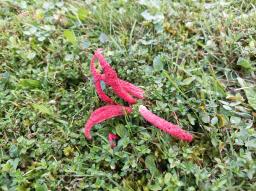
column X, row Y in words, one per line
column 111, row 138
column 104, row 64
column 110, row 77
column 103, row 113
column 132, row 89
column 122, row 93
column 97, row 77
column 164, row 125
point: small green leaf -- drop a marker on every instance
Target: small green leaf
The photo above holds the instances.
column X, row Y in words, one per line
column 85, row 44
column 30, row 84
column 214, row 120
column 82, row 13
column 226, row 107
column 235, row 120
column 68, row 151
column 221, row 120
column 41, row 187
column 167, row 178
column 14, row 163
column 102, row 85
column 69, row 57
column 148, row 70
column 188, row 81
column 121, row 130
column 157, row 18
column 150, row 164
column 44, row 109
column 70, row 36
column 13, row 151
column 205, row 118
column 31, row 55
column 4, row 77
column 244, row 63
column 146, row 15
column 155, row 187
column 250, row 92
column 191, row 119
column 251, row 143
column 48, row 5
column 103, row 38
column 157, row 63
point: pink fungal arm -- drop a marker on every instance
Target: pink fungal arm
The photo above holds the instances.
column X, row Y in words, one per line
column 120, row 92
column 104, row 64
column 123, row 89
column 164, row 125
column 97, row 77
column 103, row 113
column 111, row 138
column 132, row 89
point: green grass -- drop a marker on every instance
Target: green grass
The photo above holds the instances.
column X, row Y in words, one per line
column 195, row 60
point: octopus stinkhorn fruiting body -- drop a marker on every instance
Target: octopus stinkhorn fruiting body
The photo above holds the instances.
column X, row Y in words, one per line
column 129, row 93
column 164, row 125
column 103, row 113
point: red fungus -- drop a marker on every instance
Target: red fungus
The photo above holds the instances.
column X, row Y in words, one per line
column 126, row 91
column 111, row 138
column 103, row 113
column 132, row 89
column 123, row 89
column 164, row 125
column 97, row 77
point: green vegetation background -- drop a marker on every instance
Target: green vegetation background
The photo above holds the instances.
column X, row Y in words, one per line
column 194, row 59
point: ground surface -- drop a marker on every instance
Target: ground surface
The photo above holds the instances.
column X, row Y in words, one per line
column 196, row 62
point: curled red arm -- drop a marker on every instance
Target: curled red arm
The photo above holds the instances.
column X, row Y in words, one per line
column 132, row 89
column 97, row 77
column 110, row 77
column 103, row 113
column 164, row 125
